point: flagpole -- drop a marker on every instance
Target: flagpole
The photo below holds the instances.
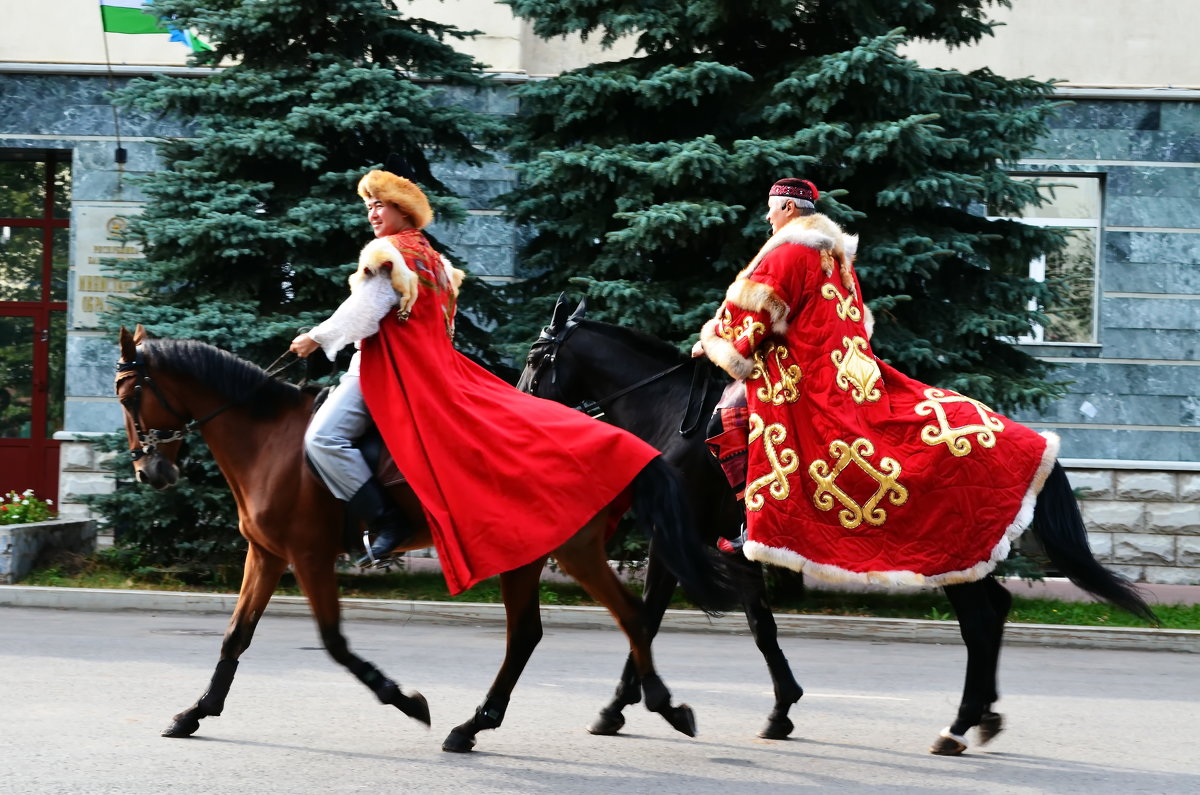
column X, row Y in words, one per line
column 121, row 154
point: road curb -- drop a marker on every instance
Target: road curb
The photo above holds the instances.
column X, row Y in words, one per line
column 563, row 617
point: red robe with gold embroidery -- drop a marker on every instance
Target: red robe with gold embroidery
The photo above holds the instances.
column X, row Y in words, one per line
column 504, row 477
column 856, row 471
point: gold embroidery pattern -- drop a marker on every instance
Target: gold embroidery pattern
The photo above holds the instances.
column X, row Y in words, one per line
column 749, row 327
column 783, row 463
column 786, row 389
column 846, row 310
column 857, row 369
column 852, row 514
column 954, row 438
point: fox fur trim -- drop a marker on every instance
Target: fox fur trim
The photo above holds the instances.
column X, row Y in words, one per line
column 723, row 354
column 380, row 252
column 814, row 231
column 404, row 193
column 758, row 297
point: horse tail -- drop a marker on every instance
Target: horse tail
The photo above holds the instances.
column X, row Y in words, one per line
column 662, row 513
column 1058, row 525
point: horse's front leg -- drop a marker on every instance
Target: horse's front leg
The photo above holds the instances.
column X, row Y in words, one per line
column 583, row 558
column 766, row 636
column 259, row 581
column 982, row 608
column 660, row 586
column 519, row 589
column 315, row 574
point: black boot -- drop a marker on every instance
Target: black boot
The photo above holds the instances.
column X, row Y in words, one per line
column 384, row 519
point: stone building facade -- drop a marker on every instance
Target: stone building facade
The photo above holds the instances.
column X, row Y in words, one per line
column 1131, row 422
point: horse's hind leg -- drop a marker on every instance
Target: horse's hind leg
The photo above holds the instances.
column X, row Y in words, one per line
column 982, row 608
column 519, row 589
column 660, row 586
column 766, row 636
column 261, row 576
column 583, row 558
column 314, row 573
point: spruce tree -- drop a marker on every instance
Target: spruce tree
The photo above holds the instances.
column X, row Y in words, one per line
column 252, row 225
column 644, row 180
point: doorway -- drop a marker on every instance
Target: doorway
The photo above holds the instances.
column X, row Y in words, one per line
column 35, row 201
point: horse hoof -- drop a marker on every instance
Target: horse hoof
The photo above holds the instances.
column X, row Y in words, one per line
column 777, row 729
column 608, row 724
column 415, row 706
column 182, row 727
column 458, row 743
column 682, row 719
column 948, row 744
column 991, row 724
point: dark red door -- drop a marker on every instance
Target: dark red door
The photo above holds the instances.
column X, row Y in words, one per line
column 34, row 251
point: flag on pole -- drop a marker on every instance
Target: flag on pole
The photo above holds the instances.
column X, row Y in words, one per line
column 135, row 16
column 129, row 16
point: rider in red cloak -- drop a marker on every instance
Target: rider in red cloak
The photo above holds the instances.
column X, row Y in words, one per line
column 503, row 477
column 857, row 472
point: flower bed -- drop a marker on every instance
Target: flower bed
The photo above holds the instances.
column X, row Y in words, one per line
column 28, row 529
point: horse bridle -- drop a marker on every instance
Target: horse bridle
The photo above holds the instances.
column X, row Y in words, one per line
column 150, row 438
column 595, row 408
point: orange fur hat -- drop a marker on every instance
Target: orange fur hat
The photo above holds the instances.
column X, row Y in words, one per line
column 404, row 193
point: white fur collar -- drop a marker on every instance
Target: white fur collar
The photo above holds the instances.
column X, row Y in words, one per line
column 815, row 231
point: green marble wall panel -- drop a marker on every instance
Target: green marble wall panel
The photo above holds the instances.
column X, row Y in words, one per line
column 1173, row 344
column 1092, row 114
column 477, row 185
column 484, row 242
column 71, row 105
column 1180, row 410
column 1180, row 116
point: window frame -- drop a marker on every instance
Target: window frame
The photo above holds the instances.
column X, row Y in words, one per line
column 1037, row 266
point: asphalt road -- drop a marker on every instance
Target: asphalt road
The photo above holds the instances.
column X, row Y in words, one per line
column 84, row 695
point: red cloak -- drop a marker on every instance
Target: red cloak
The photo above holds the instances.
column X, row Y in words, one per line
column 856, row 471
column 504, row 477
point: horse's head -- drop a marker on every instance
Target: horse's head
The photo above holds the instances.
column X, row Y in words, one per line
column 147, row 410
column 547, row 372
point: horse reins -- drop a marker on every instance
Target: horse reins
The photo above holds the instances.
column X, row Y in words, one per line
column 595, row 408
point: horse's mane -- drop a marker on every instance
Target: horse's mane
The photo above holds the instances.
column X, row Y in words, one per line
column 639, row 340
column 235, row 379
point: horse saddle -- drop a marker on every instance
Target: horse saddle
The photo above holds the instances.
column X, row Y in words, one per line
column 373, row 450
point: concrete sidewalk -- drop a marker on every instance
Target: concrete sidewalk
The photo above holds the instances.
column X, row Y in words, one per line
column 556, row 616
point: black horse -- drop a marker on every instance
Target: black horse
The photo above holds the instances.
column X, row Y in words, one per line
column 648, row 387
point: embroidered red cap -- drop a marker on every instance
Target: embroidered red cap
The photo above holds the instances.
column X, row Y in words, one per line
column 795, row 189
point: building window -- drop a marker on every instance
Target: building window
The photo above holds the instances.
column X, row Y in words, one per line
column 1073, row 204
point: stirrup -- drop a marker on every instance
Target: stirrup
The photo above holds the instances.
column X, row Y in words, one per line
column 369, row 560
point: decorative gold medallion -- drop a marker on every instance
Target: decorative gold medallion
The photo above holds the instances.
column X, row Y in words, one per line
column 852, row 514
column 783, row 463
column 846, row 310
column 786, row 389
column 955, row 438
column 858, row 369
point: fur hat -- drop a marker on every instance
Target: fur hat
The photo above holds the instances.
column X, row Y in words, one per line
column 404, row 193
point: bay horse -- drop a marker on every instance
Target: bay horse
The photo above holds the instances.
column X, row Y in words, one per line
column 254, row 425
column 645, row 385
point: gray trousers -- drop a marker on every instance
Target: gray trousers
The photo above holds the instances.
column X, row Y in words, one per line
column 329, row 440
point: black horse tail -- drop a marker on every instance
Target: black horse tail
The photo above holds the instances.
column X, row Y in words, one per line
column 1059, row 527
column 662, row 513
